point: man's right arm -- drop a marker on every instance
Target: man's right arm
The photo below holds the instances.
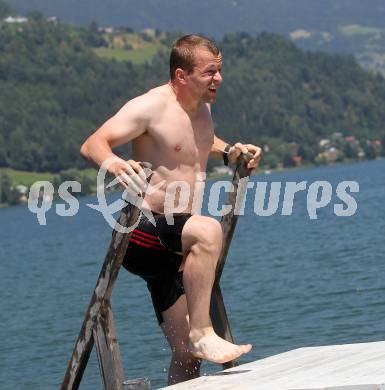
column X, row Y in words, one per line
column 128, row 123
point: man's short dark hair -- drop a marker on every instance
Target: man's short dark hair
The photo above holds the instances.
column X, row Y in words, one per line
column 182, row 52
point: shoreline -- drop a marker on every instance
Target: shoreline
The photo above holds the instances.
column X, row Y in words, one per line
column 210, row 176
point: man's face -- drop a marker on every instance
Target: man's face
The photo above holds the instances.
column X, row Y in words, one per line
column 205, row 78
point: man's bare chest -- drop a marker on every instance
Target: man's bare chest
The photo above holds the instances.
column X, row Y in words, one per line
column 179, row 135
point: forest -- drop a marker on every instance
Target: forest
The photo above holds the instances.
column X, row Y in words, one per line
column 55, row 90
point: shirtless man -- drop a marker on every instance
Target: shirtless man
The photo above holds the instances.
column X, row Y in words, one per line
column 171, row 127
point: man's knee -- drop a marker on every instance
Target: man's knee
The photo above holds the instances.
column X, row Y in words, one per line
column 203, row 232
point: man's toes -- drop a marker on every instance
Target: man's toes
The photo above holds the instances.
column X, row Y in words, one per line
column 246, row 348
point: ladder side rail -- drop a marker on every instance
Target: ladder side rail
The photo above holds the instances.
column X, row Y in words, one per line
column 107, row 347
column 235, row 198
column 101, row 296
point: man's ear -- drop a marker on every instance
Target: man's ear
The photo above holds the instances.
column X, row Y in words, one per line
column 180, row 76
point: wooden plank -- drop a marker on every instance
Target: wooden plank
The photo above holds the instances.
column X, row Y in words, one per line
column 235, row 198
column 350, row 387
column 108, row 353
column 333, row 360
column 228, row 222
column 219, row 315
column 102, row 293
column 100, row 296
column 298, row 370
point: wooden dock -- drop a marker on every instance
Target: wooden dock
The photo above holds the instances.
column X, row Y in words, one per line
column 335, row 367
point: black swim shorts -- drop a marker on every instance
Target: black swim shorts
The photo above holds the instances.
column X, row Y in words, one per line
column 155, row 254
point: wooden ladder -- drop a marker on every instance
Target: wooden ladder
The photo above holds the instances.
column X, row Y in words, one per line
column 98, row 325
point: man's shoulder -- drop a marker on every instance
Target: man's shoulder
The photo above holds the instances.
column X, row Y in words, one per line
column 159, row 95
column 148, row 104
column 154, row 100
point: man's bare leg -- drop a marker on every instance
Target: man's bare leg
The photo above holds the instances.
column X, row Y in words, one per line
column 184, row 366
column 202, row 243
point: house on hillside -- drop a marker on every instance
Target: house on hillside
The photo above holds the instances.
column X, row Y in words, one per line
column 106, row 30
column 351, row 139
column 337, row 135
column 328, row 156
column 324, row 143
column 52, row 19
column 16, row 19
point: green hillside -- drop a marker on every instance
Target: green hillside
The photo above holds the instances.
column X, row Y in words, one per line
column 345, row 26
column 133, row 47
column 59, row 83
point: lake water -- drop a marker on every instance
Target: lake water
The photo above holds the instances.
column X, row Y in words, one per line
column 289, row 282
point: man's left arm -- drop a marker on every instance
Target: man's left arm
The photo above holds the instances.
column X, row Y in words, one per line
column 221, row 149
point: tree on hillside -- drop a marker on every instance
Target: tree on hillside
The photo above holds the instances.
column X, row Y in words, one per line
column 5, row 10
column 8, row 194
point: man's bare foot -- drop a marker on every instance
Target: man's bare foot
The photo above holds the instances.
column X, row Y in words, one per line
column 208, row 345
